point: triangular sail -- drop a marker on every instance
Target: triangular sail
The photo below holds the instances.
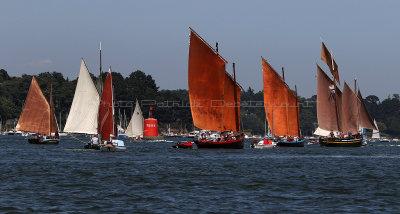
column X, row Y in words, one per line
column 35, row 116
column 136, row 125
column 211, row 91
column 281, row 103
column 326, row 56
column 375, row 132
column 350, row 110
column 82, row 117
column 365, row 119
column 106, row 112
column 326, row 109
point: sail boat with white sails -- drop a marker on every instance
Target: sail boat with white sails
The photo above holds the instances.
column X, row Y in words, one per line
column 136, row 124
column 83, row 114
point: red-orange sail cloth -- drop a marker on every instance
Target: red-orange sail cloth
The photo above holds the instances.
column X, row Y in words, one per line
column 35, row 116
column 210, row 88
column 280, row 103
column 350, row 110
column 365, row 119
column 327, row 112
column 328, row 59
column 106, row 122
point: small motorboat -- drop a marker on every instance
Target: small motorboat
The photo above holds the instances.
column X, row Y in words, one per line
column 183, row 145
column 114, row 146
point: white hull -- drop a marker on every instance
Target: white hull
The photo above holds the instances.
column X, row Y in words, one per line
column 113, row 148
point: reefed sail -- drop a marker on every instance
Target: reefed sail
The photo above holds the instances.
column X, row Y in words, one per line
column 82, row 117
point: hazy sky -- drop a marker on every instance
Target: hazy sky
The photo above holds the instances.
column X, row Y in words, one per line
column 152, row 36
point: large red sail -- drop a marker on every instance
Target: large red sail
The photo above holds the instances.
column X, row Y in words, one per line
column 365, row 119
column 327, row 112
column 350, row 112
column 280, row 103
column 35, row 116
column 106, row 123
column 210, row 89
column 231, row 121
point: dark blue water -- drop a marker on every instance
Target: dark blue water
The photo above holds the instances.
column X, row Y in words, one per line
column 153, row 177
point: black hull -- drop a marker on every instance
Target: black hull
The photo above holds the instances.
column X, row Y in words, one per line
column 234, row 144
column 335, row 142
column 90, row 146
column 44, row 142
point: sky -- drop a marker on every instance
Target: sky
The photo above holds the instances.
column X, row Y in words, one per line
column 153, row 36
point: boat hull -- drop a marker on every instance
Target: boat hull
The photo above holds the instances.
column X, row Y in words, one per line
column 183, row 145
column 43, row 142
column 92, row 146
column 112, row 148
column 232, row 144
column 298, row 143
column 335, row 142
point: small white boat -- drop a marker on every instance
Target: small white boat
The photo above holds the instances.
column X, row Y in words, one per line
column 384, row 140
column 263, row 144
column 114, row 146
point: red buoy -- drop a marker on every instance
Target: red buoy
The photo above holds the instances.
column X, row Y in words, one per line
column 150, row 127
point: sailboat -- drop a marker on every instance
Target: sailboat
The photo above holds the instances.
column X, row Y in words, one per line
column 340, row 114
column 38, row 116
column 376, row 136
column 106, row 123
column 214, row 96
column 136, row 125
column 281, row 108
column 83, row 114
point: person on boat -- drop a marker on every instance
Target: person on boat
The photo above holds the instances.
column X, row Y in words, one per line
column 94, row 140
column 56, row 135
column 331, row 134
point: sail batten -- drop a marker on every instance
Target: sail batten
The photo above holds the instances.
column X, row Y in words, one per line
column 36, row 114
column 136, row 125
column 82, row 117
column 280, row 103
column 212, row 101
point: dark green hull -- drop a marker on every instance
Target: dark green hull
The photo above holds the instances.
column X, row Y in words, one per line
column 44, row 142
column 336, row 142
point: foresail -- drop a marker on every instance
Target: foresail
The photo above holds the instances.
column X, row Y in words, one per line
column 82, row 117
column 136, row 125
column 106, row 112
column 35, row 116
column 365, row 119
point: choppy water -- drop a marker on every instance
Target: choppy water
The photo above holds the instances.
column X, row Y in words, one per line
column 153, row 177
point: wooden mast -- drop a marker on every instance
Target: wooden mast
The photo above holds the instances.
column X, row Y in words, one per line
column 100, row 77
column 298, row 111
column 51, row 106
column 235, row 99
column 338, row 118
column 283, row 74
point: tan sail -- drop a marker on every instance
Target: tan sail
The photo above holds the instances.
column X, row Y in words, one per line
column 280, row 103
column 211, row 91
column 327, row 113
column 350, row 110
column 35, row 116
column 326, row 56
column 365, row 119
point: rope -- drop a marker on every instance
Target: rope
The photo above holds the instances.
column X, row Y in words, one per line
column 79, row 140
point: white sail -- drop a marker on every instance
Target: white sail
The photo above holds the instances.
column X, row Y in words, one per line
column 375, row 133
column 324, row 133
column 136, row 125
column 82, row 117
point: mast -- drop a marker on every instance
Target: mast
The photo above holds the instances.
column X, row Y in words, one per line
column 235, row 99
column 100, row 77
column 272, row 121
column 283, row 74
column 298, row 111
column 51, row 106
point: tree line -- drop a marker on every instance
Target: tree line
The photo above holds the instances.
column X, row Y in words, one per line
column 171, row 107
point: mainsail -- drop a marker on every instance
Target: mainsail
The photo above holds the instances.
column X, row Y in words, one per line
column 82, row 117
column 280, row 103
column 350, row 110
column 375, row 132
column 327, row 113
column 136, row 125
column 106, row 110
column 36, row 115
column 211, row 89
column 365, row 119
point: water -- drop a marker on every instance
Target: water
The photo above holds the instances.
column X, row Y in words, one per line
column 155, row 178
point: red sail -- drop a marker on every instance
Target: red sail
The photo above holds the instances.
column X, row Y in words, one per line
column 35, row 116
column 350, row 106
column 326, row 109
column 106, row 123
column 328, row 59
column 280, row 103
column 365, row 119
column 231, row 121
column 209, row 87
